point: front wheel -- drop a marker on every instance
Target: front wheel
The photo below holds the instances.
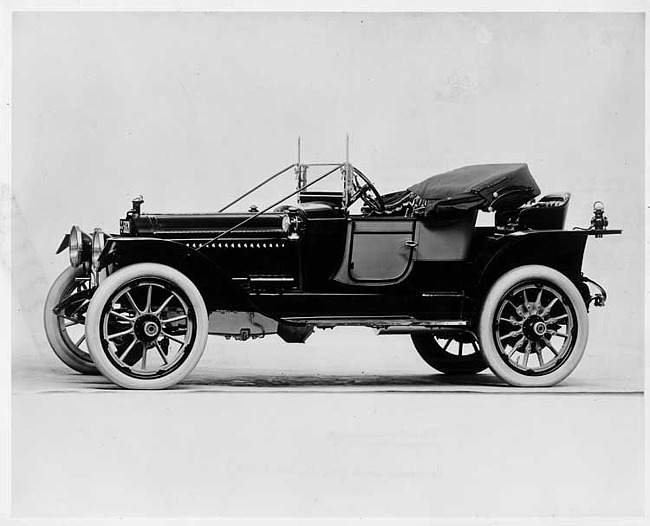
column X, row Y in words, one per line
column 66, row 336
column 533, row 327
column 146, row 326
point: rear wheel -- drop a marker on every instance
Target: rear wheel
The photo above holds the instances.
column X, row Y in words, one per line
column 450, row 353
column 147, row 326
column 66, row 335
column 534, row 327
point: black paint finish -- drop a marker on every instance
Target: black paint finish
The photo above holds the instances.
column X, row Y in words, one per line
column 283, row 263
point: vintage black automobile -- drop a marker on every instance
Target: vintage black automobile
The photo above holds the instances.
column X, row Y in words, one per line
column 511, row 297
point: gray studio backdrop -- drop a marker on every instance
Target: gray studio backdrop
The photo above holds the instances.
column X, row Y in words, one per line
column 191, row 109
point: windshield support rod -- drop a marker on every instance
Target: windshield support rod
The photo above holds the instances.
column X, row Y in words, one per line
column 242, row 223
column 258, row 186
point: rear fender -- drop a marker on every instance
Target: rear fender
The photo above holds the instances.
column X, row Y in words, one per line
column 561, row 250
column 219, row 291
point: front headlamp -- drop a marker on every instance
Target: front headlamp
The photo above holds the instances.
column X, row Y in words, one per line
column 99, row 241
column 76, row 245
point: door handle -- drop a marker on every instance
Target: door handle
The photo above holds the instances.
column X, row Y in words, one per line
column 410, row 243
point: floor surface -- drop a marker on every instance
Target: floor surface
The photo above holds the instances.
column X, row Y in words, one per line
column 336, row 427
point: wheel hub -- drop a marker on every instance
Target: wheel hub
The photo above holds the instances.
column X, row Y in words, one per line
column 534, row 327
column 147, row 328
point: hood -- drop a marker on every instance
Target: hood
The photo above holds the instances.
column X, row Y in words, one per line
column 182, row 226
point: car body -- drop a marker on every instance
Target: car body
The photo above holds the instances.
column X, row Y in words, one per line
column 511, row 296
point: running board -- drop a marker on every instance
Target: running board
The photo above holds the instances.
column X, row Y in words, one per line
column 420, row 329
column 404, row 330
column 382, row 324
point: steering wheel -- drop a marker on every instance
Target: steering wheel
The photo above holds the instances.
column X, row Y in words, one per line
column 363, row 188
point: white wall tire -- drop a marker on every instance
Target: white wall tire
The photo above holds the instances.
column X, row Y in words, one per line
column 146, row 326
column 67, row 338
column 533, row 327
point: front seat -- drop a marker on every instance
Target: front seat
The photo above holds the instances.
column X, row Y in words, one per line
column 395, row 204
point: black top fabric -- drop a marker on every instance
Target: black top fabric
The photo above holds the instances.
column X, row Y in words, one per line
column 477, row 187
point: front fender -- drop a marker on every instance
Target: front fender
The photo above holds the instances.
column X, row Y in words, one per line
column 65, row 243
column 219, row 291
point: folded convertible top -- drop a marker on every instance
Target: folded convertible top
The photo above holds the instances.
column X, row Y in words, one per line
column 479, row 186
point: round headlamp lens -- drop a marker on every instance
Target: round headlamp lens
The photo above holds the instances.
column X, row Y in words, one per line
column 99, row 241
column 599, row 206
column 76, row 241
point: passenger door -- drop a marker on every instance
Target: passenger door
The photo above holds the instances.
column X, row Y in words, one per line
column 377, row 251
